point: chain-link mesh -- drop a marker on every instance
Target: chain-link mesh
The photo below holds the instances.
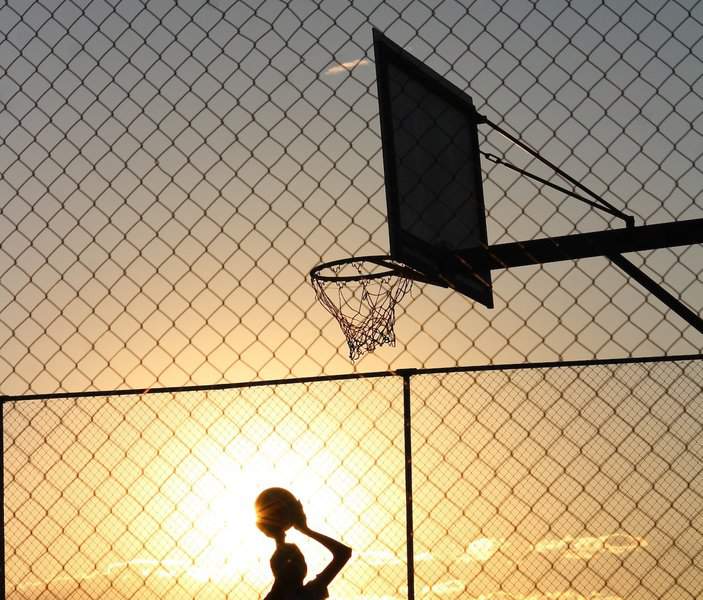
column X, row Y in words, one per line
column 172, row 171
column 547, row 483
column 576, row 483
column 153, row 496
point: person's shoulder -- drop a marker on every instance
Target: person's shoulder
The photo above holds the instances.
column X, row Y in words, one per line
column 275, row 594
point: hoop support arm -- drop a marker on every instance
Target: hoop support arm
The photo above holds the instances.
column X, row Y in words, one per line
column 585, row 245
column 610, row 243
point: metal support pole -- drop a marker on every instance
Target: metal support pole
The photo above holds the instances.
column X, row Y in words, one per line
column 585, row 245
column 609, row 243
column 2, row 508
column 409, row 527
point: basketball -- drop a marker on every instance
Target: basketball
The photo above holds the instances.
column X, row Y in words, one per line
column 276, row 510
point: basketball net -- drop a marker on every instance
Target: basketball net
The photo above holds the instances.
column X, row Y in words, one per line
column 361, row 293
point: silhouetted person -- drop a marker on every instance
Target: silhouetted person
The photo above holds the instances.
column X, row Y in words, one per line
column 289, row 567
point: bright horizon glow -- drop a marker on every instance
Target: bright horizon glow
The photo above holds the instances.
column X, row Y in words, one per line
column 122, row 493
column 480, row 549
column 162, row 487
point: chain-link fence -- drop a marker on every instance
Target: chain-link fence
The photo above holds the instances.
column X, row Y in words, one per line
column 152, row 496
column 171, row 171
column 575, row 483
column 544, row 482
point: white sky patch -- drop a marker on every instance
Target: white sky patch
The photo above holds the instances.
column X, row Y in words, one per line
column 143, row 567
column 424, row 556
column 442, row 588
column 586, row 547
column 379, row 557
column 481, row 550
column 563, row 595
column 346, row 66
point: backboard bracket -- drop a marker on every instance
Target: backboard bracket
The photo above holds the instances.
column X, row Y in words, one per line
column 597, row 202
column 596, row 244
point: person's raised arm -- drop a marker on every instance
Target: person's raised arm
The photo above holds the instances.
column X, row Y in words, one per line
column 341, row 553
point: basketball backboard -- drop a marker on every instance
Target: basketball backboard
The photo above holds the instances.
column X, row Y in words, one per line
column 434, row 187
column 436, row 212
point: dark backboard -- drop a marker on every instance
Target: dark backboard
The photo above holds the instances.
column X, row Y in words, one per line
column 432, row 170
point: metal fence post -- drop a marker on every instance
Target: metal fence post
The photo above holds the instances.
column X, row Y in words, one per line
column 407, row 435
column 2, row 493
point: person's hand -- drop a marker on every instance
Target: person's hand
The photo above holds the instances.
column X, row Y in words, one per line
column 301, row 521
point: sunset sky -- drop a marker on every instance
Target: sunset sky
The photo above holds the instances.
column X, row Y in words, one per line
column 531, row 483
column 169, row 174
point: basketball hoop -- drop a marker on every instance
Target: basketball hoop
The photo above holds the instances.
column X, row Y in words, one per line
column 361, row 293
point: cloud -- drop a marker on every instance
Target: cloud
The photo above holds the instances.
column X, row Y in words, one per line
column 423, row 556
column 139, row 567
column 346, row 66
column 562, row 595
column 586, row 547
column 442, row 588
column 379, row 557
column 481, row 550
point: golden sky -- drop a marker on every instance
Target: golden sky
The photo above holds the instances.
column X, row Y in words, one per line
column 156, row 492
column 171, row 174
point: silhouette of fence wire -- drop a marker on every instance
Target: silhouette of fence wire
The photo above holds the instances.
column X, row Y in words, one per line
column 540, row 482
column 172, row 171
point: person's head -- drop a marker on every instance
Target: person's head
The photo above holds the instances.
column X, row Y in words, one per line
column 288, row 564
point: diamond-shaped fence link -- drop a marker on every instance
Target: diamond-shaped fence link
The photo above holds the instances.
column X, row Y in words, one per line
column 547, row 482
column 171, row 171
